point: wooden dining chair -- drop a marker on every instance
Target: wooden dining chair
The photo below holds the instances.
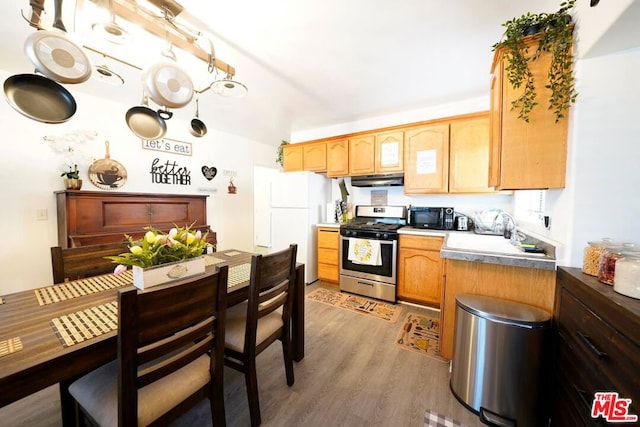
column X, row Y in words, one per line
column 170, row 356
column 255, row 324
column 84, row 261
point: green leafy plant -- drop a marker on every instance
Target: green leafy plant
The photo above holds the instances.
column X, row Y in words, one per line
column 556, row 37
column 71, row 173
column 157, row 248
column 280, row 158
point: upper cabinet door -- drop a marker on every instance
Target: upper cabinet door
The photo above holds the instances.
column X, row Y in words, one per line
column 533, row 154
column 315, row 157
column 292, row 158
column 426, row 159
column 469, row 156
column 362, row 155
column 389, row 152
column 338, row 158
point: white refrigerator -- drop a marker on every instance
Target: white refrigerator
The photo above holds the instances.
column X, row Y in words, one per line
column 298, row 202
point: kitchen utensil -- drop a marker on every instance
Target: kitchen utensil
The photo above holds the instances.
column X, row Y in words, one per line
column 147, row 123
column 55, row 56
column 198, row 128
column 106, row 173
column 39, row 98
column 168, row 85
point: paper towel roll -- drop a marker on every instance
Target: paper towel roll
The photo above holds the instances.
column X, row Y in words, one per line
column 331, row 213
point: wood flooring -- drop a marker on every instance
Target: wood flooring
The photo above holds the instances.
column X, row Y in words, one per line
column 352, row 375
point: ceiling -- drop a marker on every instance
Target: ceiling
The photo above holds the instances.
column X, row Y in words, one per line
column 307, row 64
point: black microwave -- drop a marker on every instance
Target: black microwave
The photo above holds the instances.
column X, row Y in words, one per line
column 431, row 218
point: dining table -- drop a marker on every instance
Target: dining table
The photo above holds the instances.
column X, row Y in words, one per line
column 38, row 349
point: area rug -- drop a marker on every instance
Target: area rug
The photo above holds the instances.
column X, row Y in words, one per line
column 420, row 333
column 357, row 304
column 434, row 419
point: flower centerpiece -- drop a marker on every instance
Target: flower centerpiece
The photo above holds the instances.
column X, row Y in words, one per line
column 158, row 258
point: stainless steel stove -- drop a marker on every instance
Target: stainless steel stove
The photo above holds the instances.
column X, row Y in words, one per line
column 369, row 251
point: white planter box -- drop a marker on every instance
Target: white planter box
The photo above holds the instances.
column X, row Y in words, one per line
column 144, row 278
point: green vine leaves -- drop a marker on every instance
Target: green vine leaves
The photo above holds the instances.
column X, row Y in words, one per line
column 555, row 37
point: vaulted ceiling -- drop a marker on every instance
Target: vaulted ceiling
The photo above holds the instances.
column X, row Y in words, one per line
column 306, row 64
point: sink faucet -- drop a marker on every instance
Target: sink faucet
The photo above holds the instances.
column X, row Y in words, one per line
column 508, row 232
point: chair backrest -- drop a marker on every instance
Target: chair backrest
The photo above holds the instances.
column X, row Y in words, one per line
column 270, row 286
column 84, row 261
column 165, row 328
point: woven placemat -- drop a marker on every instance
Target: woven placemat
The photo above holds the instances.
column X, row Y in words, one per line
column 434, row 419
column 211, row 260
column 232, row 253
column 238, row 274
column 86, row 324
column 81, row 287
column 10, row 346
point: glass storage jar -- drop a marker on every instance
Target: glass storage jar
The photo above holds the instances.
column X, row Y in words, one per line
column 591, row 259
column 627, row 280
column 608, row 259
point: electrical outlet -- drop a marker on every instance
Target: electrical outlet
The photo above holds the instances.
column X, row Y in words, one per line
column 42, row 215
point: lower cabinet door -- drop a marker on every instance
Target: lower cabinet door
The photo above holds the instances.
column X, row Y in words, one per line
column 420, row 276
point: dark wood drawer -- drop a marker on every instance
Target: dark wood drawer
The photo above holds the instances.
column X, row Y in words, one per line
column 605, row 348
column 578, row 380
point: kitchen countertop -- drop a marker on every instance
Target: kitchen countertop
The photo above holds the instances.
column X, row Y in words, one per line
column 329, row 225
column 468, row 246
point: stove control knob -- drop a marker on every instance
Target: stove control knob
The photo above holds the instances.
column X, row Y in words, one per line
column 385, row 236
column 378, row 235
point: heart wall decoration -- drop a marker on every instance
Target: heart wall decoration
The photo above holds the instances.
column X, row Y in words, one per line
column 209, row 172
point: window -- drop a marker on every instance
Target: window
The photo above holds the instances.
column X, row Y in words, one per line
column 529, row 207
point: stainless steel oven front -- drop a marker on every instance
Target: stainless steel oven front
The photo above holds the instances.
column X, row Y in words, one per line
column 376, row 280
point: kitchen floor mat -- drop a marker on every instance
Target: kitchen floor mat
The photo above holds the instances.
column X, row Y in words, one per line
column 434, row 419
column 367, row 306
column 420, row 334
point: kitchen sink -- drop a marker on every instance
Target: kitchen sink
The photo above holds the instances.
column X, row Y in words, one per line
column 486, row 243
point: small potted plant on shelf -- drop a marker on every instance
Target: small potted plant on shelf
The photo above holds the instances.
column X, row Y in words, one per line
column 555, row 34
column 72, row 179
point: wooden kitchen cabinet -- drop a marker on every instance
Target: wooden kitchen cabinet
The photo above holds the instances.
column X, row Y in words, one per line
column 338, row 158
column 526, row 155
column 531, row 286
column 420, row 269
column 328, row 254
column 596, row 347
column 96, row 217
column 389, row 152
column 426, row 159
column 362, row 155
column 314, row 157
column 292, row 158
column 469, row 156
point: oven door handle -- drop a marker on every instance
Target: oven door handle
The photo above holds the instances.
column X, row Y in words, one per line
column 382, row 242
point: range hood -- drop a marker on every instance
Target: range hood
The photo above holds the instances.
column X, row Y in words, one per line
column 386, row 180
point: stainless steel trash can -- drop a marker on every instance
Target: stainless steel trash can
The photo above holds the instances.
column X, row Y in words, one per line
column 501, row 360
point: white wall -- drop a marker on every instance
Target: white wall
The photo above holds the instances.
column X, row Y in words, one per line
column 30, row 173
column 602, row 198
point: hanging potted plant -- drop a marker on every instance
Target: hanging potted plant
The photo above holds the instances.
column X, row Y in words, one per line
column 280, row 158
column 72, row 179
column 554, row 33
